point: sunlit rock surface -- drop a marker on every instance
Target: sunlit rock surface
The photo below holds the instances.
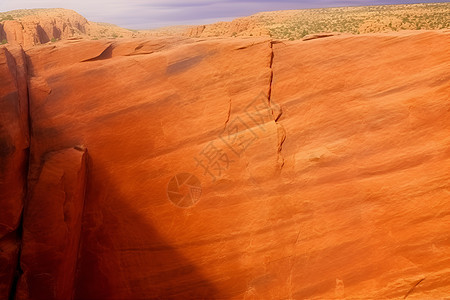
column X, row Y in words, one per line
column 316, row 169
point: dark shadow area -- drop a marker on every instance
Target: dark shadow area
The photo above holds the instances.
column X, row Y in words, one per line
column 80, row 27
column 42, row 35
column 183, row 65
column 9, row 253
column 2, row 33
column 16, row 260
column 56, row 32
column 106, row 54
column 123, row 257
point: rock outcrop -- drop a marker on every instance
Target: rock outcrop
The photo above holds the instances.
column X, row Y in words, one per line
column 40, row 26
column 320, row 167
column 319, row 36
column 238, row 27
column 52, row 227
column 14, row 149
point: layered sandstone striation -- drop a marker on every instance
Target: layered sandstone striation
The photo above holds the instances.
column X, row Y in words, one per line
column 323, row 167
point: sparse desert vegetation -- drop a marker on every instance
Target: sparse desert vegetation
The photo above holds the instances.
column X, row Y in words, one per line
column 356, row 20
column 296, row 24
column 19, row 13
column 6, row 18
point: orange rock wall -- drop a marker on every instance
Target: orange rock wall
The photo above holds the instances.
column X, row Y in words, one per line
column 323, row 168
column 14, row 150
column 35, row 30
column 52, row 227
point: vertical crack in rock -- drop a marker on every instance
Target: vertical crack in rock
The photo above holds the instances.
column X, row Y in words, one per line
column 58, row 197
column 19, row 271
column 87, row 169
column 228, row 115
column 15, row 105
column 413, row 287
column 276, row 114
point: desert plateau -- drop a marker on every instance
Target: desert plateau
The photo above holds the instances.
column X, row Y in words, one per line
column 290, row 154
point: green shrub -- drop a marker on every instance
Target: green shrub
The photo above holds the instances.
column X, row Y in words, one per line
column 7, row 18
column 4, row 41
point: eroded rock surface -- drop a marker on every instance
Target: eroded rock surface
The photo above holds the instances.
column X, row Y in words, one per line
column 14, row 143
column 52, row 227
column 29, row 27
column 323, row 168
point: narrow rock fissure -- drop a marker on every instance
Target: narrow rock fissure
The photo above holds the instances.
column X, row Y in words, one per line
column 228, row 114
column 280, row 128
column 80, row 241
column 18, row 272
column 413, row 287
column 269, row 96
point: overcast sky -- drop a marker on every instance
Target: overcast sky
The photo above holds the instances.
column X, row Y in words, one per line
column 146, row 14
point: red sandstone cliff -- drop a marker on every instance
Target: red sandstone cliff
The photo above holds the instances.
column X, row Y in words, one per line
column 324, row 168
column 52, row 227
column 30, row 27
column 14, row 151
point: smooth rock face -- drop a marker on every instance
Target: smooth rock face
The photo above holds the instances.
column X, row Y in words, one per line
column 13, row 158
column 324, row 168
column 367, row 153
column 52, row 227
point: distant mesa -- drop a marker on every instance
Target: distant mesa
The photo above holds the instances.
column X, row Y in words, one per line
column 29, row 27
